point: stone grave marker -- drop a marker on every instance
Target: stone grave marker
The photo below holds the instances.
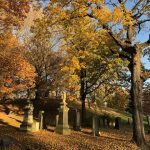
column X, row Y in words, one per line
column 62, row 126
column 28, row 123
column 117, row 123
column 57, row 118
column 130, row 121
column 77, row 125
column 95, row 125
column 148, row 121
column 41, row 119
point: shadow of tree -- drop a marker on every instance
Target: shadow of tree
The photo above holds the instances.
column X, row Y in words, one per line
column 20, row 140
column 16, row 119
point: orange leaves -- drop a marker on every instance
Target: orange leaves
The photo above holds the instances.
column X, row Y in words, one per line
column 16, row 73
column 117, row 14
column 12, row 13
column 104, row 15
column 75, row 62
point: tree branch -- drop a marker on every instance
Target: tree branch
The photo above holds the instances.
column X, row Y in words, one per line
column 136, row 5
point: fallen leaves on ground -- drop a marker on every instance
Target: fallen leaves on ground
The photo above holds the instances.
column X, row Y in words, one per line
column 48, row 140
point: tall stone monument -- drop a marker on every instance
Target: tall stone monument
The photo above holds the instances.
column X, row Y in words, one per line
column 77, row 126
column 28, row 123
column 95, row 126
column 62, row 126
column 28, row 117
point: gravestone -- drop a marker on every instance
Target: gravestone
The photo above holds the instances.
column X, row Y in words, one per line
column 112, row 124
column 28, row 117
column 57, row 118
column 117, row 123
column 41, row 119
column 148, row 120
column 35, row 126
column 130, row 121
column 95, row 126
column 28, row 123
column 77, row 125
column 104, row 120
column 108, row 121
column 62, row 126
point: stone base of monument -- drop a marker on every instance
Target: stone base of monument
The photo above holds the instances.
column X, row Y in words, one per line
column 35, row 126
column 64, row 130
column 77, row 128
column 96, row 133
column 30, row 127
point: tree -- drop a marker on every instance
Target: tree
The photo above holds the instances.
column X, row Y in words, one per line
column 17, row 74
column 123, row 24
column 12, row 14
column 47, row 62
column 119, row 99
column 89, row 62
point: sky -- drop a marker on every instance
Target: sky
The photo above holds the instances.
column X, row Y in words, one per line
column 142, row 37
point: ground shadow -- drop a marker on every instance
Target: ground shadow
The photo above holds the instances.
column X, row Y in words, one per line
column 16, row 119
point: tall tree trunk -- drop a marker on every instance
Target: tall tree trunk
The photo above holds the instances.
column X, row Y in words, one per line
column 136, row 98
column 82, row 94
column 83, row 113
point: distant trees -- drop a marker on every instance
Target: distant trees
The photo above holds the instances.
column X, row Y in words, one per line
column 119, row 100
column 47, row 62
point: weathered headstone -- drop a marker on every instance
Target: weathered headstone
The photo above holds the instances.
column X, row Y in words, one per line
column 35, row 126
column 28, row 117
column 108, row 121
column 62, row 126
column 148, row 120
column 130, row 121
column 95, row 126
column 104, row 120
column 112, row 124
column 41, row 119
column 57, row 118
column 77, row 125
column 117, row 123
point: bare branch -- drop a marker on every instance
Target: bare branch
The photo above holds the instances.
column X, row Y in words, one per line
column 136, row 5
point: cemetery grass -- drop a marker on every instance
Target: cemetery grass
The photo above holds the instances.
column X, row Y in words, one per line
column 48, row 140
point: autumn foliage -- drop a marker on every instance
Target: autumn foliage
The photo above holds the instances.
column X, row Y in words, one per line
column 16, row 73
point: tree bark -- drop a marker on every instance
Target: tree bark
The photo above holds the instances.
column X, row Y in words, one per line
column 82, row 94
column 136, row 98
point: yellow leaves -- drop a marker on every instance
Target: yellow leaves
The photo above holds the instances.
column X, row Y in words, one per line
column 128, row 20
column 74, row 78
column 15, row 71
column 75, row 62
column 104, row 14
column 117, row 14
column 65, row 69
